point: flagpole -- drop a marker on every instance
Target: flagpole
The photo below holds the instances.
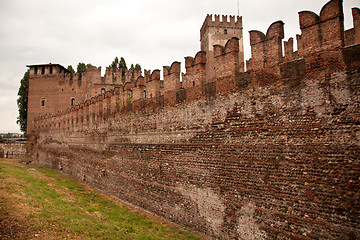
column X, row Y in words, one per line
column 238, row 7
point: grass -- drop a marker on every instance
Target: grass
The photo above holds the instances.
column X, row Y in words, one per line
column 56, row 206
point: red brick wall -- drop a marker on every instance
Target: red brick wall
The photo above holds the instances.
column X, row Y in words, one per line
column 277, row 159
column 268, row 153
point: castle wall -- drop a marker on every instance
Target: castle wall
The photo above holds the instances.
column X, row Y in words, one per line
column 13, row 150
column 271, row 153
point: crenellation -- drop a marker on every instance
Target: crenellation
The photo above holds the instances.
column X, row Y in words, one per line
column 217, row 19
column 324, row 32
column 218, row 50
column 308, row 19
column 289, row 53
column 171, row 82
column 332, row 10
column 200, row 58
column 155, row 75
column 227, row 59
column 189, row 62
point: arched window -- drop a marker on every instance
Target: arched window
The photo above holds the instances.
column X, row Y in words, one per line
column 72, row 101
column 43, row 102
column 225, row 31
column 102, row 90
column 144, row 94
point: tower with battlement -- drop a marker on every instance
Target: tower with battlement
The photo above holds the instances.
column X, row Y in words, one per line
column 216, row 31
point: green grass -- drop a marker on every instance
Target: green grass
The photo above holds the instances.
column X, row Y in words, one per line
column 59, row 203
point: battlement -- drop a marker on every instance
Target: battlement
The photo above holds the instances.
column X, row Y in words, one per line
column 319, row 42
column 322, row 37
column 266, row 50
column 225, row 22
column 269, row 55
column 47, row 69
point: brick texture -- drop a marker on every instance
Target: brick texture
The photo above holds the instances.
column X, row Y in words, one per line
column 270, row 153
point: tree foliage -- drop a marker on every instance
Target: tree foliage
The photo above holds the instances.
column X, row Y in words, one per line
column 121, row 65
column 22, row 102
column 71, row 70
column 80, row 69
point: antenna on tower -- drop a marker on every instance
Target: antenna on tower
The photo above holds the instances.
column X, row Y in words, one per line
column 238, row 7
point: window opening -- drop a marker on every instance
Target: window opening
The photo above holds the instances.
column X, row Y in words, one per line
column 144, row 94
column 43, row 70
column 35, row 70
column 102, row 90
column 51, row 69
column 225, row 31
column 73, row 102
column 43, row 102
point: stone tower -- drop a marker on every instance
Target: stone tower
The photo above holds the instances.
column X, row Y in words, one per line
column 218, row 32
column 45, row 96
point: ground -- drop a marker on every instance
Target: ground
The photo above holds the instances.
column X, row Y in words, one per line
column 37, row 203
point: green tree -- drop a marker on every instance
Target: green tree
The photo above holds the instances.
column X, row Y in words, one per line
column 137, row 67
column 122, row 67
column 89, row 65
column 71, row 70
column 114, row 64
column 22, row 102
column 81, row 68
column 132, row 68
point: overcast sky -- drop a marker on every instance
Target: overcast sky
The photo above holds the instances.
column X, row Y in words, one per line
column 152, row 33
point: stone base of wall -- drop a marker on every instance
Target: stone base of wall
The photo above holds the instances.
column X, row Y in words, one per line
column 13, row 150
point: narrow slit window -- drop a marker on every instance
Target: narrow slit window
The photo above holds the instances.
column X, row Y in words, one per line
column 43, row 102
column 73, row 102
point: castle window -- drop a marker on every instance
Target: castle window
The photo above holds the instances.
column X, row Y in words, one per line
column 144, row 94
column 225, row 31
column 43, row 70
column 43, row 102
column 51, row 69
column 72, row 101
column 35, row 70
column 102, row 90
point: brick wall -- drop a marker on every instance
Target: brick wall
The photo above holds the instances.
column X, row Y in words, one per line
column 271, row 153
column 13, row 150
